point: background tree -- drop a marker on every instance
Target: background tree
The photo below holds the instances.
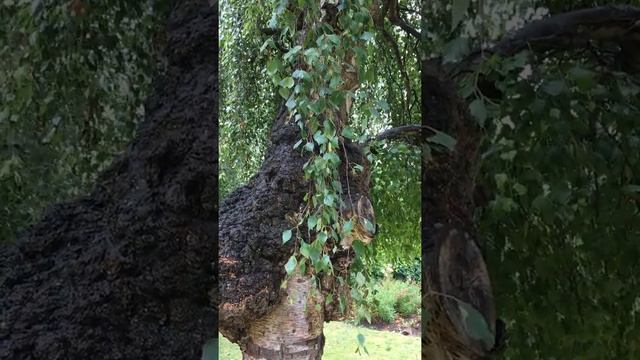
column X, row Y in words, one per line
column 73, row 80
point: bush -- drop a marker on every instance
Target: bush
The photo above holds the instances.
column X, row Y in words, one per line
column 388, row 299
column 410, row 271
column 409, row 300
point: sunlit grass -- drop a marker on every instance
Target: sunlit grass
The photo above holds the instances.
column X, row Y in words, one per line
column 341, row 343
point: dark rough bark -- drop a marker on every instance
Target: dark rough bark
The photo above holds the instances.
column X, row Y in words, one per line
column 124, row 273
column 252, row 219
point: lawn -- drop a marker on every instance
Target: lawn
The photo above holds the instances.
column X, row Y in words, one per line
column 341, row 343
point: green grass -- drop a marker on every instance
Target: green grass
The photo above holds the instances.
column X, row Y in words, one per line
column 341, row 343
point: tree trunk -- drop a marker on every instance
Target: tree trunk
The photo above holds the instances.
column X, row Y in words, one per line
column 293, row 329
column 252, row 255
column 454, row 270
column 124, row 273
column 267, row 318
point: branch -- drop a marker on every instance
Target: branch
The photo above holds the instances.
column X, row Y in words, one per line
column 274, row 33
column 396, row 19
column 409, row 133
column 270, row 31
column 396, row 52
column 574, row 29
column 568, row 31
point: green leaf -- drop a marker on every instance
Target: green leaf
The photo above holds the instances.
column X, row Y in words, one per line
column 317, row 106
column 291, row 264
column 273, row 66
column 476, row 325
column 287, row 82
column 312, row 220
column 455, row 50
column 337, row 98
column 369, row 226
column 284, row 92
column 458, row 10
column 348, row 133
column 520, row 189
column 443, row 139
column 335, row 39
column 309, row 146
column 360, row 279
column 366, row 36
column 291, row 103
column 478, row 109
column 292, row 52
column 312, row 55
column 326, row 261
column 301, row 74
column 328, row 200
column 264, row 46
column 359, row 248
column 319, row 137
column 631, row 189
column 583, row 77
column 383, row 105
column 335, row 82
column 554, row 87
column 501, row 180
column 332, row 157
column 311, row 252
column 347, row 227
column 286, row 236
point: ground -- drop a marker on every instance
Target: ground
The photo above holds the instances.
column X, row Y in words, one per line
column 410, row 325
column 341, row 343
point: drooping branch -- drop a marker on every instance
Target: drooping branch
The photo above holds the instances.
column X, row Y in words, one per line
column 401, row 64
column 255, row 291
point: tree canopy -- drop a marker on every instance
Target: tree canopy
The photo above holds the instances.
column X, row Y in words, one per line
column 73, row 78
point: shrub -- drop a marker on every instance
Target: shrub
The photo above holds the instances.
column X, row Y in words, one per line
column 409, row 300
column 409, row 271
column 388, row 299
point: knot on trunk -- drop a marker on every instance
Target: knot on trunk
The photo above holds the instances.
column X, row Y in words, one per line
column 459, row 301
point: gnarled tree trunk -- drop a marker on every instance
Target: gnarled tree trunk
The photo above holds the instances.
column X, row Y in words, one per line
column 124, row 273
column 265, row 319
column 268, row 317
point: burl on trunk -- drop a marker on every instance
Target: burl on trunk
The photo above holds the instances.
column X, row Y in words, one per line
column 266, row 318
